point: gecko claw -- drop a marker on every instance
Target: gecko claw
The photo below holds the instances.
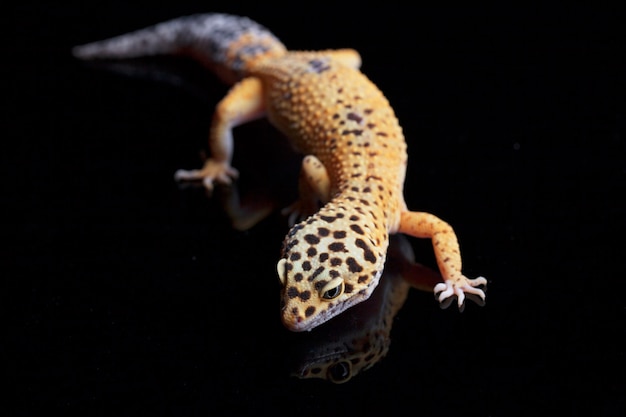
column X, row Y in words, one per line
column 446, row 290
column 211, row 173
column 299, row 211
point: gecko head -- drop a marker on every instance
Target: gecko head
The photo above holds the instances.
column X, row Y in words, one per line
column 329, row 263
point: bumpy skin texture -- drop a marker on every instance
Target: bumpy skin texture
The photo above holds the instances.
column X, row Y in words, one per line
column 355, row 164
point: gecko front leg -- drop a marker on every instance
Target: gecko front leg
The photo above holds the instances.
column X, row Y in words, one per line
column 446, row 246
column 243, row 103
column 313, row 187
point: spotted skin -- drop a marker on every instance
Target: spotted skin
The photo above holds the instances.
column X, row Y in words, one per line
column 355, row 164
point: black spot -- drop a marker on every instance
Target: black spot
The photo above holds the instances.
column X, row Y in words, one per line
column 381, row 134
column 312, row 239
column 367, row 252
column 292, row 292
column 336, row 116
column 305, row 295
column 348, row 288
column 355, row 117
column 367, row 190
column 319, row 65
column 327, row 219
column 323, row 257
column 362, row 279
column 316, row 273
column 355, row 132
column 295, row 256
column 309, row 312
column 311, row 251
column 336, row 261
column 290, row 245
column 322, row 231
column 353, row 265
column 333, row 273
column 337, row 247
column 320, row 284
column 356, row 228
column 354, row 218
column 294, row 230
column 306, row 266
column 298, row 277
column 339, row 234
column 368, row 111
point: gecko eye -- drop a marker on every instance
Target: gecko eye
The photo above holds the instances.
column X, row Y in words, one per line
column 340, row 372
column 333, row 289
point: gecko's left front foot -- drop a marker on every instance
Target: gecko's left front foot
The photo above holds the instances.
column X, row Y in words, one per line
column 299, row 211
column 459, row 288
column 213, row 171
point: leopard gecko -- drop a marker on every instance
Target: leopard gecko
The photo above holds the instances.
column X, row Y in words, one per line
column 354, row 165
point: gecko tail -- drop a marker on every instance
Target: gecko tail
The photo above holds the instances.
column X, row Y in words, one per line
column 228, row 44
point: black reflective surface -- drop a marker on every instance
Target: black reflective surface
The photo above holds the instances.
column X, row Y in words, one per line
column 124, row 294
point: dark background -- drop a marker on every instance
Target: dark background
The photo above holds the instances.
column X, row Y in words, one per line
column 124, row 294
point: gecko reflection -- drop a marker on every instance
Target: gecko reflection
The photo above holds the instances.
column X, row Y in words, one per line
column 359, row 338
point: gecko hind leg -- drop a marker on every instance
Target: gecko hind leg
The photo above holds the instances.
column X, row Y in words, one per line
column 242, row 104
column 448, row 255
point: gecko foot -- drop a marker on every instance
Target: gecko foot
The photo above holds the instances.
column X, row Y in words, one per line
column 300, row 210
column 449, row 288
column 212, row 172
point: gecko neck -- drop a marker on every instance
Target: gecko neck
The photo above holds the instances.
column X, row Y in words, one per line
column 357, row 207
column 369, row 198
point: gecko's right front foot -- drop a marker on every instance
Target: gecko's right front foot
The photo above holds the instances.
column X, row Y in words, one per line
column 212, row 172
column 446, row 290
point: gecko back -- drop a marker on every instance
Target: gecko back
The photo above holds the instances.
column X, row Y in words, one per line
column 228, row 45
